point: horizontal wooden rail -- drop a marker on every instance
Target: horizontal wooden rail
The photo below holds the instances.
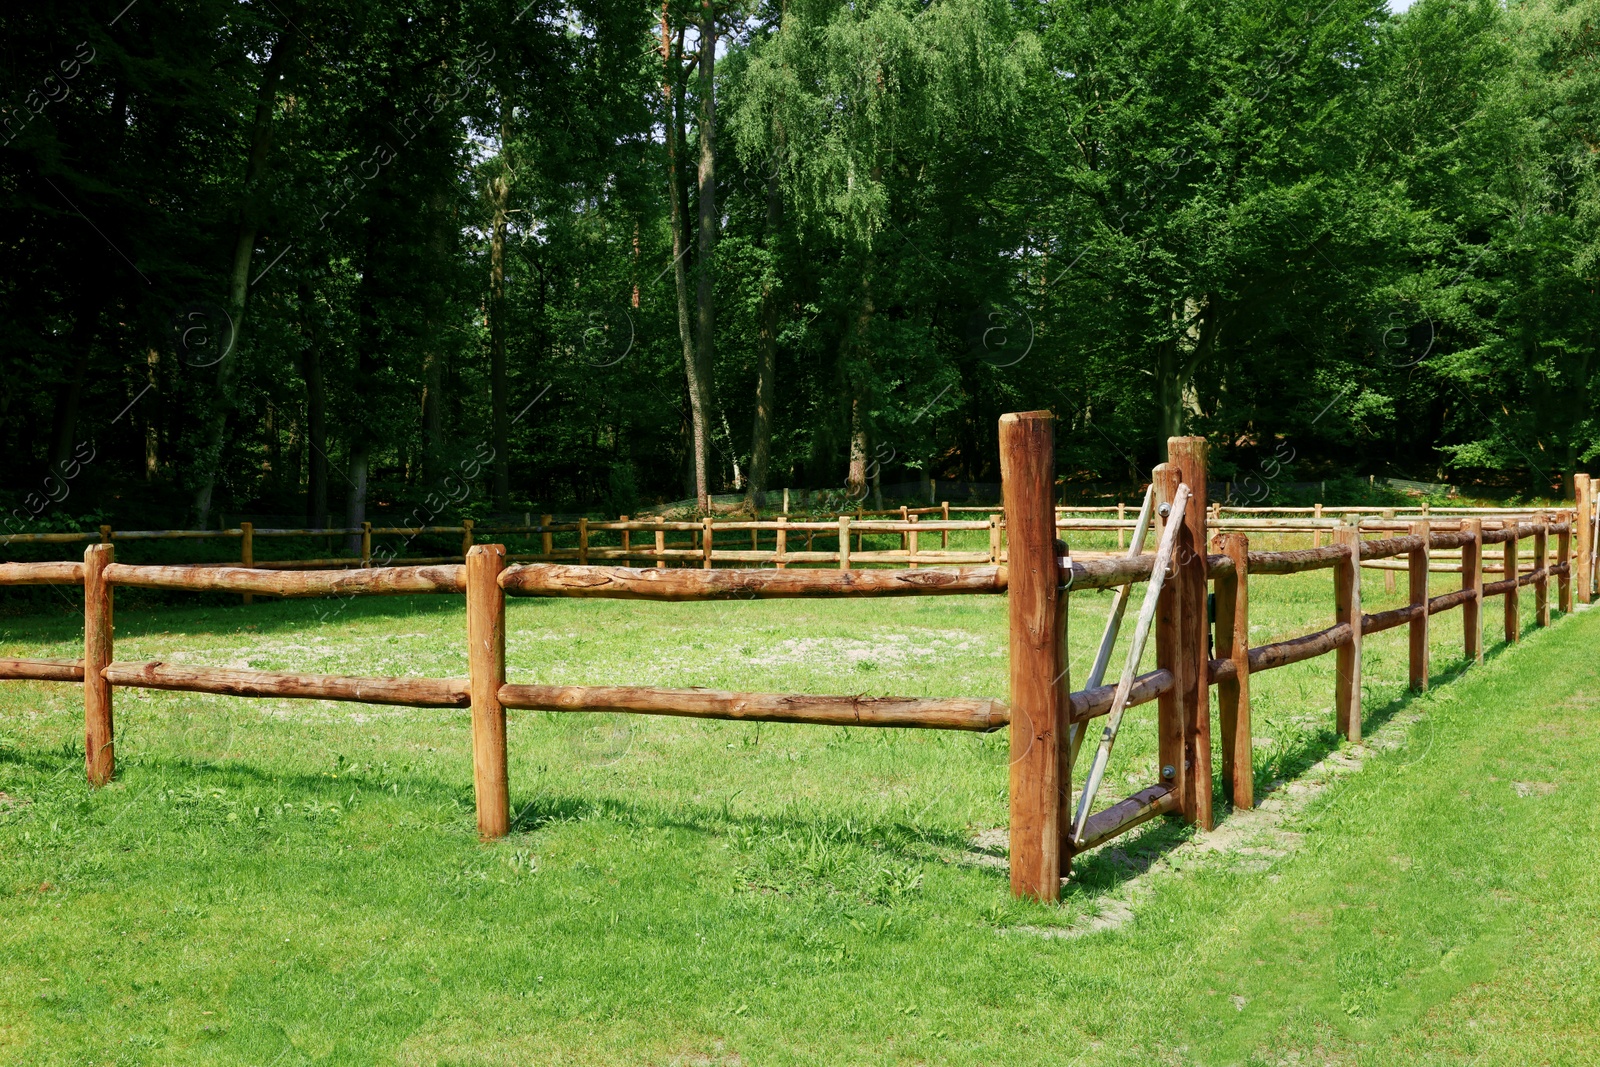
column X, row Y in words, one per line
column 1300, row 559
column 1390, row 546
column 368, row 581
column 54, row 573
column 1283, row 653
column 1446, row 601
column 909, row 712
column 1388, row 620
column 1091, row 703
column 409, row 692
column 48, row 538
column 42, row 670
column 1124, row 815
column 629, row 583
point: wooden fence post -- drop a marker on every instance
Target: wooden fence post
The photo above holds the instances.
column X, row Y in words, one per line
column 546, row 538
column 911, row 541
column 1347, row 609
column 1564, row 557
column 1388, row 574
column 1513, row 596
column 781, row 542
column 1584, row 490
column 1472, row 578
column 99, row 749
column 366, row 544
column 627, row 543
column 486, row 665
column 1541, row 567
column 1188, row 454
column 105, row 535
column 705, row 543
column 1027, row 473
column 944, row 515
column 583, row 541
column 994, row 539
column 247, row 550
column 1169, row 646
column 466, row 537
column 1233, row 695
column 844, row 542
column 1417, row 565
column 1316, row 534
column 661, row 539
column 1122, row 514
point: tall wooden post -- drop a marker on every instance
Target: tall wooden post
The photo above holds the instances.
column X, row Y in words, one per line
column 466, row 537
column 1027, row 472
column 1564, row 560
column 1188, row 454
column 99, row 750
column 844, row 542
column 1388, row 574
column 1316, row 534
column 1584, row 490
column 247, row 550
column 1513, row 595
column 911, row 541
column 1347, row 609
column 1541, row 567
column 486, row 666
column 1417, row 565
column 366, row 544
column 781, row 542
column 661, row 540
column 1169, row 646
column 1233, row 695
column 944, row 516
column 1122, row 515
column 1472, row 578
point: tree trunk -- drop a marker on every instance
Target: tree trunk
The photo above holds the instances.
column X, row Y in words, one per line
column 316, row 413
column 356, row 502
column 706, row 202
column 855, row 347
column 855, row 482
column 699, row 413
column 239, row 277
column 152, row 429
column 500, row 428
column 766, row 360
column 1198, row 322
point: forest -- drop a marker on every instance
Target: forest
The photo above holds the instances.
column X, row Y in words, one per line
column 484, row 257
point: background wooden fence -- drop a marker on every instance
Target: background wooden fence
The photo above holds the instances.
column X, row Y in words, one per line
column 1046, row 717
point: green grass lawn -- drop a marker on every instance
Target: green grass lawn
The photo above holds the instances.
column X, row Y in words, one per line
column 291, row 882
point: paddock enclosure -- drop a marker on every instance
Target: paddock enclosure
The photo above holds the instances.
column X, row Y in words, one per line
column 1191, row 587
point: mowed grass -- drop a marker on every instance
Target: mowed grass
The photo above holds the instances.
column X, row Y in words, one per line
column 299, row 882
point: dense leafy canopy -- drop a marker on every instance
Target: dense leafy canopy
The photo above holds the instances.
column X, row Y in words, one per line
column 444, row 256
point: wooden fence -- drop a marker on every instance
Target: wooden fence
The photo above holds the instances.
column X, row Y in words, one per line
column 1047, row 719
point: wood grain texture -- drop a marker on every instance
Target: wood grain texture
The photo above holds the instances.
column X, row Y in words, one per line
column 1513, row 593
column 1563, row 532
column 99, row 733
column 955, row 713
column 1027, row 471
column 1233, row 694
column 1347, row 613
column 486, row 665
column 1124, row 815
column 229, row 681
column 1188, row 454
column 68, row 572
column 1472, row 580
column 1169, row 613
column 1417, row 651
column 366, row 582
column 1541, row 582
column 42, row 670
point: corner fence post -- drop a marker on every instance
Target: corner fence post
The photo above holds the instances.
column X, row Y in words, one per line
column 1188, row 455
column 1583, row 489
column 1347, row 609
column 1472, row 578
column 1417, row 566
column 486, row 665
column 1027, row 471
column 99, row 751
column 1169, row 647
column 1233, row 695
